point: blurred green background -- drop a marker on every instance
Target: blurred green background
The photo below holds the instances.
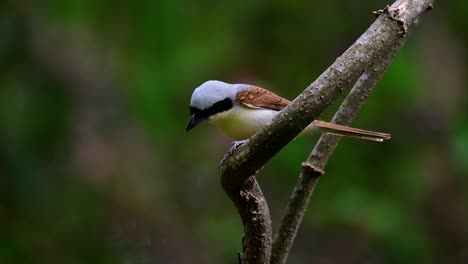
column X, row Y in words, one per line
column 96, row 166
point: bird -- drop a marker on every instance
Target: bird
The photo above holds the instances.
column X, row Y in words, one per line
column 241, row 110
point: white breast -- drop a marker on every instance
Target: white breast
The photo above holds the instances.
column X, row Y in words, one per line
column 242, row 122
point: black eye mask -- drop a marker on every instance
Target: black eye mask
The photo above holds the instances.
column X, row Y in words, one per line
column 218, row 107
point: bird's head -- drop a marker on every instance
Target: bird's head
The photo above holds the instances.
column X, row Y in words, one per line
column 209, row 99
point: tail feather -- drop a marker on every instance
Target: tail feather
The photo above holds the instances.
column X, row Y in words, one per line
column 350, row 131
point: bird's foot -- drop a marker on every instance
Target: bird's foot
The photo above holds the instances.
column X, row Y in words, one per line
column 235, row 145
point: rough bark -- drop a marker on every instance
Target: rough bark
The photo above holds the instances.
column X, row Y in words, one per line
column 253, row 209
column 314, row 167
column 386, row 33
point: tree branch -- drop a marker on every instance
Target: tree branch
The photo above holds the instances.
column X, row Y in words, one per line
column 314, row 167
column 374, row 45
column 253, row 209
column 325, row 147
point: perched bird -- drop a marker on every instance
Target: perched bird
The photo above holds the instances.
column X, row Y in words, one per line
column 240, row 110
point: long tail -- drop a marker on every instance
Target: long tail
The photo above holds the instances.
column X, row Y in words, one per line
column 350, row 131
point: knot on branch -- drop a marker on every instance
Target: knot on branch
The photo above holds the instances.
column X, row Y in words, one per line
column 429, row 7
column 395, row 14
column 310, row 170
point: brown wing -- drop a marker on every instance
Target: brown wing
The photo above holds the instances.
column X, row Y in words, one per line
column 257, row 97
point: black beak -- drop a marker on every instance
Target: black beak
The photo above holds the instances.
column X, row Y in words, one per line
column 194, row 120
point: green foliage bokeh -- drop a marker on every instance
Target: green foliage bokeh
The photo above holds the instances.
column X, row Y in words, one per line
column 96, row 166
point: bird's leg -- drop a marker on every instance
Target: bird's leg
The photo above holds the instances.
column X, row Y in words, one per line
column 234, row 146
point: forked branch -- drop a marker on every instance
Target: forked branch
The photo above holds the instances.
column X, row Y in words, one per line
column 384, row 36
column 320, row 155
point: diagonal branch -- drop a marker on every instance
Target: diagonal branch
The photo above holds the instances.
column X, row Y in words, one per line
column 314, row 167
column 382, row 35
column 374, row 45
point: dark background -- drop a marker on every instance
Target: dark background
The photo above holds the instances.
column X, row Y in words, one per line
column 96, row 166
